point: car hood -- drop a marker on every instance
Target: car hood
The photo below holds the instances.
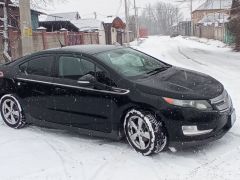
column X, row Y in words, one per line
column 180, row 84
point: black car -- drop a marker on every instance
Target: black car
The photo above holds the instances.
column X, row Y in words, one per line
column 113, row 92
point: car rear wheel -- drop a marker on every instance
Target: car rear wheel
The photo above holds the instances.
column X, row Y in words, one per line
column 144, row 132
column 11, row 112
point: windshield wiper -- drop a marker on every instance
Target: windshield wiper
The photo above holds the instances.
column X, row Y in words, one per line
column 157, row 70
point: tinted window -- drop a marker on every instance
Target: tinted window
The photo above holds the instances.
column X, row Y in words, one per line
column 75, row 68
column 78, row 68
column 41, row 66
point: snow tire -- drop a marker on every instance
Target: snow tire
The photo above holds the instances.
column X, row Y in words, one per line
column 151, row 128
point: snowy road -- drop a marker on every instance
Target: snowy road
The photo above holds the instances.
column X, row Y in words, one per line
column 39, row 153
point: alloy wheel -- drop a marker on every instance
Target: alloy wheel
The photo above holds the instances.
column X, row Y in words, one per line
column 10, row 111
column 138, row 132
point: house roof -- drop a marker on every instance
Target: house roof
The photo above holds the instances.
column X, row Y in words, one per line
column 57, row 25
column 215, row 4
column 2, row 1
column 214, row 18
column 15, row 5
column 68, row 16
column 88, row 24
column 110, row 19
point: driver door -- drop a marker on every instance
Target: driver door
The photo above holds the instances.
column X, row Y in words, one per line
column 77, row 99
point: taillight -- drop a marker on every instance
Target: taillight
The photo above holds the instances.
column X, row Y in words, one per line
column 1, row 74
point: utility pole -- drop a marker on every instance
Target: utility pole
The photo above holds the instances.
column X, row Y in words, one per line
column 26, row 27
column 95, row 15
column 192, row 24
column 5, row 31
column 127, row 21
column 136, row 20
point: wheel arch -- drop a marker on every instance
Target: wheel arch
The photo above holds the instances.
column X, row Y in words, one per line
column 141, row 107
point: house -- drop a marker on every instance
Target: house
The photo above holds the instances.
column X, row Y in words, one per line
column 57, row 21
column 72, row 22
column 52, row 26
column 211, row 7
column 14, row 18
column 211, row 18
column 114, row 29
column 91, row 25
column 216, row 19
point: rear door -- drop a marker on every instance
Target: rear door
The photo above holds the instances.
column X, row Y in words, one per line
column 34, row 86
column 78, row 100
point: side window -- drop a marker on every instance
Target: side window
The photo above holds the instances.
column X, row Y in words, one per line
column 70, row 68
column 88, row 67
column 41, row 66
column 23, row 67
column 75, row 68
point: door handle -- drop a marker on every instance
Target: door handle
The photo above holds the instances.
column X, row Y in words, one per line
column 21, row 83
column 60, row 90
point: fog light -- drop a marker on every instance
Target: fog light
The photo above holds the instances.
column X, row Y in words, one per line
column 193, row 131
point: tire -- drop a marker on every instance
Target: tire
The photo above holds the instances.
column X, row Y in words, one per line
column 144, row 132
column 11, row 112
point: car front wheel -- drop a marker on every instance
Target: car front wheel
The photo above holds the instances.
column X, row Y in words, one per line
column 144, row 132
column 11, row 112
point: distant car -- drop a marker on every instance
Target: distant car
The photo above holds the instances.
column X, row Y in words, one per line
column 174, row 35
column 112, row 92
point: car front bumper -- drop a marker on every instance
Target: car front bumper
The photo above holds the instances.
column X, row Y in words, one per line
column 214, row 124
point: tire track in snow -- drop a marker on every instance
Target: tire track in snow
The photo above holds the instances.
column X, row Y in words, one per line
column 63, row 162
column 189, row 58
column 117, row 158
column 215, row 163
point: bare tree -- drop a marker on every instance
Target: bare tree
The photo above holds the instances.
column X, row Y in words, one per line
column 160, row 17
column 234, row 23
column 36, row 4
column 5, row 31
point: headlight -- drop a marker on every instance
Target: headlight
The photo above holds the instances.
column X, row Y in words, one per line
column 198, row 104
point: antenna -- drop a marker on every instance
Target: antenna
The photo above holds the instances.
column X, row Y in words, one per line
column 61, row 44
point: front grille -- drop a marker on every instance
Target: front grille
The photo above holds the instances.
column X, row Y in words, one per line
column 223, row 102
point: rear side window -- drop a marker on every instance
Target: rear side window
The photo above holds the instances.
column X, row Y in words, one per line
column 41, row 66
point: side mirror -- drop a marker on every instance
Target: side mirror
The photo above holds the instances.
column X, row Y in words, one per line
column 87, row 79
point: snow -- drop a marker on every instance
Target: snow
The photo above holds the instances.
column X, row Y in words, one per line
column 35, row 153
column 68, row 16
column 88, row 24
column 109, row 19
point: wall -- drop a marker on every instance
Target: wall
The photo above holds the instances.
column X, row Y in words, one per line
column 46, row 40
column 211, row 32
column 90, row 38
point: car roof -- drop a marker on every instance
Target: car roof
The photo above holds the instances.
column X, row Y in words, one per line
column 86, row 49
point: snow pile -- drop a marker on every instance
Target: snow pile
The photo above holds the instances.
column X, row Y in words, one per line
column 210, row 42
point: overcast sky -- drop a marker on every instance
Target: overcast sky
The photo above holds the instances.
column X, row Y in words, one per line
column 104, row 8
column 86, row 8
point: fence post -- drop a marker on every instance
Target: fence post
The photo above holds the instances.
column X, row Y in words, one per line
column 65, row 33
column 43, row 32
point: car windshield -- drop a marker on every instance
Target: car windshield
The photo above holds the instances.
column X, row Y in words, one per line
column 131, row 63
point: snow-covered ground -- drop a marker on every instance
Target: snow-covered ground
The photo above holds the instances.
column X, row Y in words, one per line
column 39, row 153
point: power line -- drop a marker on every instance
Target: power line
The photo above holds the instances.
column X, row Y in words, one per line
column 120, row 5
